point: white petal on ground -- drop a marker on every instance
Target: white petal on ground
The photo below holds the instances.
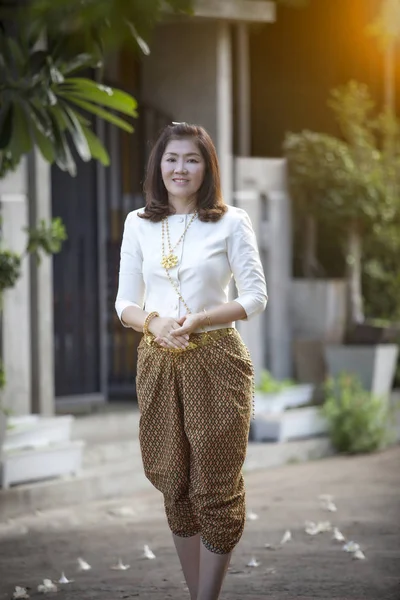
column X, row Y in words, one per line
column 148, row 553
column 270, row 547
column 120, row 566
column 311, row 528
column 20, row 592
column 122, row 511
column 83, row 565
column 252, row 516
column 253, row 563
column 47, row 586
column 287, row 536
column 351, row 547
column 324, row 526
column 331, row 507
column 64, row 579
column 314, row 528
column 359, row 555
column 338, row 535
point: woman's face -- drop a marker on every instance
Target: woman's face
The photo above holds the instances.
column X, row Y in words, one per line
column 182, row 169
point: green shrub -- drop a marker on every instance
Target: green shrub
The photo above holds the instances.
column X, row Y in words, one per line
column 269, row 385
column 357, row 420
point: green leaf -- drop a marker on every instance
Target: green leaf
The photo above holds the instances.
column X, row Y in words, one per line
column 21, row 141
column 139, row 40
column 100, row 112
column 79, row 139
column 6, row 125
column 100, row 94
column 63, row 156
column 98, row 151
column 82, row 61
column 45, row 144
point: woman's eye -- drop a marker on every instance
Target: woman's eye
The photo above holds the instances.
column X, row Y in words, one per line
column 193, row 160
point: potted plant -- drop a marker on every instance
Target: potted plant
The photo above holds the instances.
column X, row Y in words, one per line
column 284, row 410
column 274, row 396
column 351, row 185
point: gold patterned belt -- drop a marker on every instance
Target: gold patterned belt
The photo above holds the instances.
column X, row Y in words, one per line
column 196, row 340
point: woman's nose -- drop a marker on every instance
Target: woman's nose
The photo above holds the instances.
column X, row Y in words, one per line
column 180, row 167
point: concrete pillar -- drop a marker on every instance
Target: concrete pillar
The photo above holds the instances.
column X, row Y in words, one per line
column 253, row 331
column 243, row 90
column 16, row 330
column 41, row 292
column 224, row 108
column 279, row 282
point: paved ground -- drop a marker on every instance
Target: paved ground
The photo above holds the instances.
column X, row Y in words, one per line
column 366, row 493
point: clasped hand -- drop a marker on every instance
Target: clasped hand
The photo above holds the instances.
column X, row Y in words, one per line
column 172, row 333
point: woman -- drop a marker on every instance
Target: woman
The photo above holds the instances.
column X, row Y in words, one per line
column 194, row 375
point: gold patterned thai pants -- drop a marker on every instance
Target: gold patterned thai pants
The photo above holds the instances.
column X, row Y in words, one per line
column 195, row 410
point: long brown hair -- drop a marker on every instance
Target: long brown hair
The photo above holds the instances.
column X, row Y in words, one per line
column 210, row 203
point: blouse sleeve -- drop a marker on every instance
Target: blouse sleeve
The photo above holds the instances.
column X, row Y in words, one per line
column 246, row 266
column 131, row 285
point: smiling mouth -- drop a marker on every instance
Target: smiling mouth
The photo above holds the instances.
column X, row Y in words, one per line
column 180, row 180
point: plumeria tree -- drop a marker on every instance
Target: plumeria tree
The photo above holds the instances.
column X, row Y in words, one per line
column 352, row 181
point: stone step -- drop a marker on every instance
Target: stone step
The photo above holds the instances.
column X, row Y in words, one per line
column 110, row 452
column 125, row 477
column 106, row 427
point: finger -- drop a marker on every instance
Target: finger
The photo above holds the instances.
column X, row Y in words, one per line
column 174, row 343
column 182, row 331
column 182, row 320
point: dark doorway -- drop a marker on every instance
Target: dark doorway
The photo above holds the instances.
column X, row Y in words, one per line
column 76, row 284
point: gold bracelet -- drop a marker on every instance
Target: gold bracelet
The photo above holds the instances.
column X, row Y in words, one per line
column 146, row 323
column 207, row 317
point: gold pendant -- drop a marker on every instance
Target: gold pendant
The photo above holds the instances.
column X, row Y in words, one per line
column 169, row 261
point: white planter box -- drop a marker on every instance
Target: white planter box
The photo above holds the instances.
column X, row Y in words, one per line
column 296, row 395
column 3, row 426
column 22, row 466
column 318, row 309
column 34, row 432
column 291, row 424
column 375, row 366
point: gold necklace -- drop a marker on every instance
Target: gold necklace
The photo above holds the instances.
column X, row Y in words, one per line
column 170, row 260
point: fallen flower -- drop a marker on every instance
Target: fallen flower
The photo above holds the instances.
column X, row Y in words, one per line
column 47, row 586
column 338, row 535
column 83, row 565
column 122, row 511
column 327, row 502
column 253, row 563
column 270, row 547
column 120, row 566
column 148, row 553
column 20, row 592
column 252, row 516
column 64, row 580
column 287, row 536
column 359, row 555
column 351, row 547
column 314, row 528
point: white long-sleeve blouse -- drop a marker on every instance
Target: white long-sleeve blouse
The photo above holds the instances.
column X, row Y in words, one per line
column 209, row 255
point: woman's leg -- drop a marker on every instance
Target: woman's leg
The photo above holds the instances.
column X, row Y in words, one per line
column 188, row 549
column 217, row 391
column 213, row 568
column 166, row 453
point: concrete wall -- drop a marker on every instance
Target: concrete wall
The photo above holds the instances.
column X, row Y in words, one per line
column 179, row 77
column 16, row 324
column 268, row 178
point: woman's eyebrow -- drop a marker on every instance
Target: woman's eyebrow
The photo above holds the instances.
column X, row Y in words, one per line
column 188, row 154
